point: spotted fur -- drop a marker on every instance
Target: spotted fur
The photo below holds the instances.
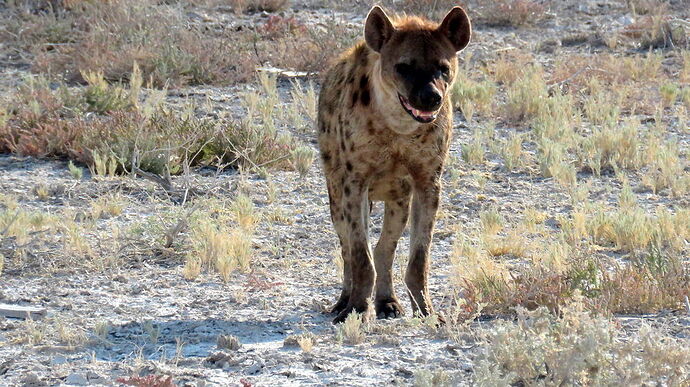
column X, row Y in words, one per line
column 384, row 127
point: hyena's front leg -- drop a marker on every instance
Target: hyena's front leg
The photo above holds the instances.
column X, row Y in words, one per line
column 344, row 298
column 424, row 207
column 356, row 208
column 385, row 301
column 340, row 224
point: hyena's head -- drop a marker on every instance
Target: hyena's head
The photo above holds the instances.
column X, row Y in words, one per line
column 418, row 58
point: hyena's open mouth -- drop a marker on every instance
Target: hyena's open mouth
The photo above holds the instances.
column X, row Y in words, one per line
column 420, row 116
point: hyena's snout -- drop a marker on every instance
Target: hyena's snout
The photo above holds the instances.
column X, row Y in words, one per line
column 428, row 98
column 423, row 103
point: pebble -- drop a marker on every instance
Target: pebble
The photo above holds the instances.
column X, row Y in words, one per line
column 32, row 380
column 626, row 20
column 76, row 379
column 256, row 367
column 57, row 360
column 91, row 375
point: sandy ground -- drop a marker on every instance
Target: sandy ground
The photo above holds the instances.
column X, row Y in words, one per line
column 153, row 321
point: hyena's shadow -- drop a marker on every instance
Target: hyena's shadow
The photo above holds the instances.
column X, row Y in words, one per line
column 166, row 339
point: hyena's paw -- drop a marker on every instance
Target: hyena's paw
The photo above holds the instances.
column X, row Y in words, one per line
column 364, row 310
column 341, row 304
column 388, row 308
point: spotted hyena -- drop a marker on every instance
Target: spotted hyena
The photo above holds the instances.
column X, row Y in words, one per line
column 384, row 125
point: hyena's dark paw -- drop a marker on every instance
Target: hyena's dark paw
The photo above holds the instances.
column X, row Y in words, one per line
column 341, row 304
column 388, row 308
column 365, row 311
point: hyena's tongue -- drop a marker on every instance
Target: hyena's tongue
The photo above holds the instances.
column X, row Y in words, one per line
column 422, row 114
column 418, row 113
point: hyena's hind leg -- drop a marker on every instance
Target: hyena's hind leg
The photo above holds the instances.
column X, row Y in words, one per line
column 395, row 217
column 340, row 225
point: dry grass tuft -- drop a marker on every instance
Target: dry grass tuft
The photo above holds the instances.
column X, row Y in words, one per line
column 470, row 96
column 655, row 282
column 491, row 221
column 612, row 148
column 525, row 96
column 431, row 378
column 229, row 342
column 513, row 243
column 656, row 277
column 351, row 331
column 576, row 348
column 148, row 134
column 217, row 245
column 109, row 36
column 302, row 159
column 657, row 29
column 514, row 13
column 305, row 341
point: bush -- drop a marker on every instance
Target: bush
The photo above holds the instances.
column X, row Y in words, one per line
column 578, row 348
column 134, row 133
column 70, row 42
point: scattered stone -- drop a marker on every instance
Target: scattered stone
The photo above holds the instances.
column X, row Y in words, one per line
column 256, row 367
column 91, row 375
column 575, row 39
column 5, row 366
column 549, row 46
column 76, row 379
column 32, row 380
column 18, row 311
column 57, row 360
column 137, row 289
column 223, row 360
column 291, row 341
column 626, row 20
column 120, row 278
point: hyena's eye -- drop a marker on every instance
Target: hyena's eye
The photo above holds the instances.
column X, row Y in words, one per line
column 444, row 69
column 403, row 69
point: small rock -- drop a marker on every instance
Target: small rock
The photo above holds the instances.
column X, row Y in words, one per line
column 256, row 367
column 77, row 380
column 584, row 8
column 5, row 366
column 137, row 289
column 626, row 20
column 120, row 278
column 32, row 380
column 549, row 46
column 225, row 9
column 222, row 360
column 57, row 360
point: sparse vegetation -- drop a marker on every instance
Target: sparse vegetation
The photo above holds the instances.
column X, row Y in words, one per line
column 351, row 331
column 159, row 198
column 577, row 348
column 513, row 13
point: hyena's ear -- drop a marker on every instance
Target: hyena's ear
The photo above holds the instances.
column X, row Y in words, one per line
column 377, row 29
column 457, row 28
